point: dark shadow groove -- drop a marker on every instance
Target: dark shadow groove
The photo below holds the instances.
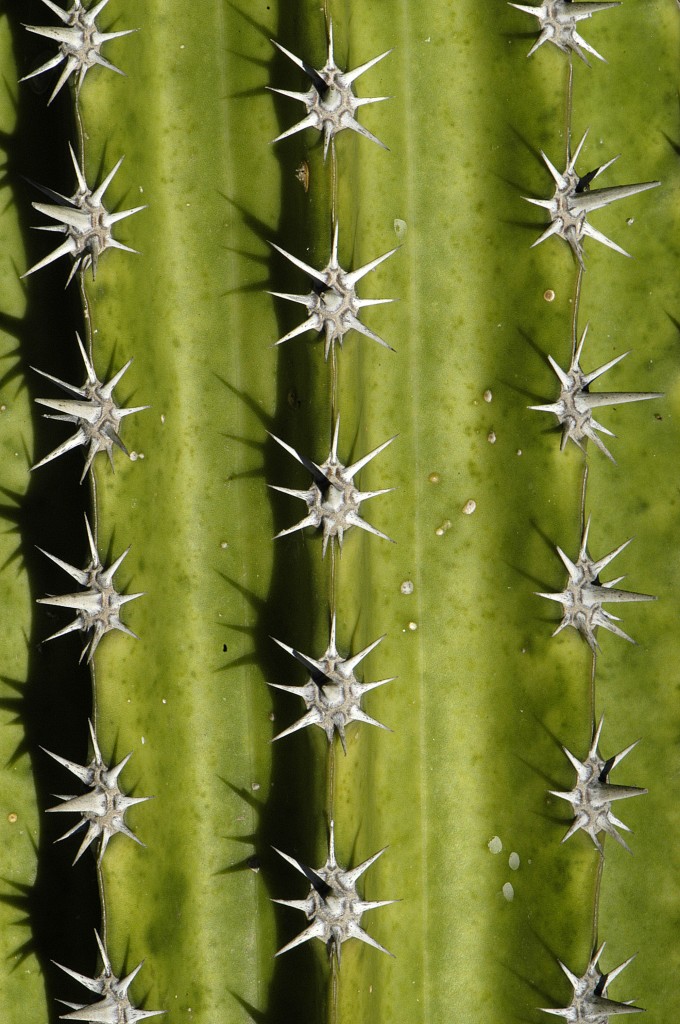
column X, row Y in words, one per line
column 292, row 816
column 50, row 707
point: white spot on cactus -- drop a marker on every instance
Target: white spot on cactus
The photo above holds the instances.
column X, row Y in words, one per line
column 593, row 794
column 333, row 905
column 85, row 222
column 549, row 295
column 99, row 605
column 103, row 808
column 491, row 437
column 584, row 595
column 469, row 507
column 488, row 395
column 406, row 587
column 94, row 411
column 508, row 892
column 589, row 1003
column 114, row 1007
column 333, row 304
column 513, row 861
column 80, row 43
column 333, row 500
column 495, row 845
column 557, row 20
column 400, row 228
column 333, row 693
column 330, row 102
column 573, row 200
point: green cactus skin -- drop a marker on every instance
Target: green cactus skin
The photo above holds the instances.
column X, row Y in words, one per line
column 484, row 695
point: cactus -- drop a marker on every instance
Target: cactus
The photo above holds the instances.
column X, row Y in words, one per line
column 485, row 699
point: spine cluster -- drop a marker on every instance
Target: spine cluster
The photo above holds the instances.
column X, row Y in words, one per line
column 584, row 595
column 86, row 228
column 332, row 694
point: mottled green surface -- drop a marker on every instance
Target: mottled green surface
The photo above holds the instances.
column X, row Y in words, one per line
column 484, row 696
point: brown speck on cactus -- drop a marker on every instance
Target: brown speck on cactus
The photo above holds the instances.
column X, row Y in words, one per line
column 94, row 411
column 558, row 19
column 333, row 304
column 575, row 404
column 85, row 222
column 589, row 1003
column 103, row 808
column 333, row 905
column 99, row 605
column 584, row 595
column 333, row 693
column 573, row 201
column 114, row 1007
column 330, row 102
column 79, row 40
column 333, row 500
column 593, row 794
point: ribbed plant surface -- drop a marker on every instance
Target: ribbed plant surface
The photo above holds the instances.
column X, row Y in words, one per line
column 484, row 697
